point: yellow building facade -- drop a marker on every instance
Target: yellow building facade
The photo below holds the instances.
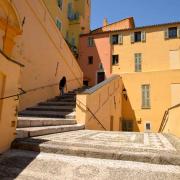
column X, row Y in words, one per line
column 148, row 60
column 72, row 17
column 149, row 64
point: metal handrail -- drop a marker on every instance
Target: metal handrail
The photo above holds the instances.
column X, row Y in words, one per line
column 93, row 115
column 164, row 120
column 34, row 89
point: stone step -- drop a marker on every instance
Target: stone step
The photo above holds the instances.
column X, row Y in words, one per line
column 38, row 122
column 50, row 103
column 62, row 100
column 51, row 114
column 140, row 147
column 39, row 131
column 52, row 108
column 27, row 165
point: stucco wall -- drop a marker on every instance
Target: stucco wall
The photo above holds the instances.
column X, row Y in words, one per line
column 155, row 51
column 9, row 83
column 160, row 97
column 45, row 54
column 101, row 52
column 105, row 103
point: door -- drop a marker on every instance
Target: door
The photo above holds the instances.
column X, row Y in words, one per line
column 127, row 125
column 100, row 77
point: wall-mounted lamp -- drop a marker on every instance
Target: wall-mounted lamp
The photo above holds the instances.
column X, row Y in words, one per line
column 124, row 92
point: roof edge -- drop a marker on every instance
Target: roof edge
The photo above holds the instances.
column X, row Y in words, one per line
column 129, row 29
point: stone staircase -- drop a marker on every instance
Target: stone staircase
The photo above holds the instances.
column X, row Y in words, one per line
column 53, row 116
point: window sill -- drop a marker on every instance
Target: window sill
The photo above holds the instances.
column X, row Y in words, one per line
column 145, row 108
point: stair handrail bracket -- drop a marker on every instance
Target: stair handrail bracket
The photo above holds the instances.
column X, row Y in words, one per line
column 96, row 105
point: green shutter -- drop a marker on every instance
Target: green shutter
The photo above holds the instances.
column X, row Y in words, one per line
column 132, row 37
column 178, row 31
column 145, row 96
column 143, row 36
column 120, row 39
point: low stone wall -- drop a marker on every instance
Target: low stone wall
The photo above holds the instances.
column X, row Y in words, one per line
column 100, row 107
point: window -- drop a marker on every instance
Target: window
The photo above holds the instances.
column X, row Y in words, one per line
column 70, row 11
column 115, row 59
column 90, row 60
column 127, row 125
column 137, row 36
column 58, row 24
column 90, row 41
column 115, row 39
column 138, row 58
column 172, row 32
column 146, row 96
column 60, row 3
column 147, row 126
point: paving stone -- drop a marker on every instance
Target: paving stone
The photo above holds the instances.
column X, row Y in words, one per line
column 26, row 165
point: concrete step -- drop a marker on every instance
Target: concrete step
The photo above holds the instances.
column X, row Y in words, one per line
column 49, row 103
column 51, row 114
column 39, row 131
column 62, row 100
column 52, row 108
column 38, row 122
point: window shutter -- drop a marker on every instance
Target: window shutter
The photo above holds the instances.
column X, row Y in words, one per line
column 132, row 37
column 166, row 34
column 143, row 36
column 178, row 31
column 120, row 39
column 110, row 39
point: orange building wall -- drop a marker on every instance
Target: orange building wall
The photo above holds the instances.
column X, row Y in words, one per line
column 101, row 52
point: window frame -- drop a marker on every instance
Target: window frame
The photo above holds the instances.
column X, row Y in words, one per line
column 90, row 41
column 137, row 35
column 60, row 5
column 145, row 96
column 90, row 60
column 59, row 22
column 138, row 62
column 117, row 40
column 117, row 62
column 170, row 32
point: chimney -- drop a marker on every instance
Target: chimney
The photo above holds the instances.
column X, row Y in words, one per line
column 105, row 22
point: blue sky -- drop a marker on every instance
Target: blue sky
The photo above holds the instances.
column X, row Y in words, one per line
column 145, row 12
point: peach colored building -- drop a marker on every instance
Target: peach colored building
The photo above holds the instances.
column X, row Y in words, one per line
column 95, row 51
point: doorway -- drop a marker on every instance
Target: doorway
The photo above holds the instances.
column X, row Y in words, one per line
column 100, row 77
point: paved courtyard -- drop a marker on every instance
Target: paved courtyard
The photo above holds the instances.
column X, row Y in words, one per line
column 142, row 147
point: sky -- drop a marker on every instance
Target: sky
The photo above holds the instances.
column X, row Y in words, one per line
column 145, row 12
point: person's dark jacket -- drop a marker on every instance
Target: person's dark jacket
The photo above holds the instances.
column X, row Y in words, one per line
column 62, row 83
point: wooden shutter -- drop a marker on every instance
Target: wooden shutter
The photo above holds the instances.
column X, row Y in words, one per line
column 166, row 33
column 110, row 39
column 132, row 37
column 143, row 36
column 120, row 39
column 178, row 31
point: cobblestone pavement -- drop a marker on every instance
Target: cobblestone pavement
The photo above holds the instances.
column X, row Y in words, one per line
column 26, row 165
column 107, row 140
